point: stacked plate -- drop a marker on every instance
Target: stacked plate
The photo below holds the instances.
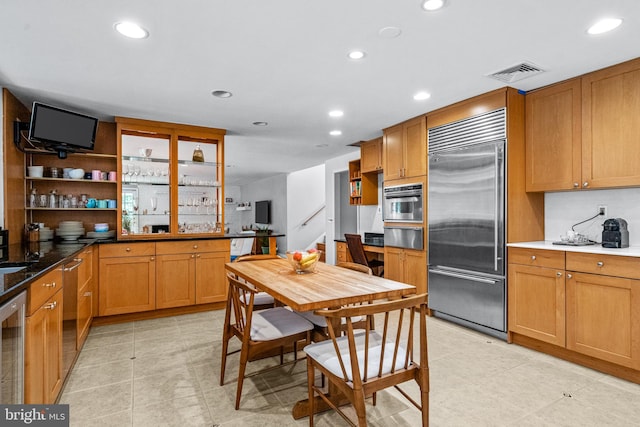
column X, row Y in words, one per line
column 46, row 234
column 70, row 230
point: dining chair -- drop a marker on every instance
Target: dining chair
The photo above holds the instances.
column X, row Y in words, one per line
column 262, row 299
column 261, row 332
column 363, row 363
column 356, row 249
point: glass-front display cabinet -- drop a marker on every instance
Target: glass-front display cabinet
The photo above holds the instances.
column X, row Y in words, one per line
column 172, row 179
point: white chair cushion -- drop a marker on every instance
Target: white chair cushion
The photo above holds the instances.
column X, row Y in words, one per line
column 324, row 353
column 277, row 322
column 260, row 298
column 321, row 321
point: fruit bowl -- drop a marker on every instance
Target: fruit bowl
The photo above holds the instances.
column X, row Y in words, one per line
column 303, row 261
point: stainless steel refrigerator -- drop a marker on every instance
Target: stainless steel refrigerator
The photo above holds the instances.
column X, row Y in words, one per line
column 467, row 222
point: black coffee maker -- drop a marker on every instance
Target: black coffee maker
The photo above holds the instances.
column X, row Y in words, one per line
column 615, row 233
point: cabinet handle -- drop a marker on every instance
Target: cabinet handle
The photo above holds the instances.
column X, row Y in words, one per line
column 576, row 185
column 195, row 246
column 600, row 264
column 198, row 256
column 49, row 285
column 77, row 261
column 585, row 184
column 51, row 306
column 87, row 294
column 558, row 274
column 533, row 257
column 193, row 255
column 152, row 258
column 128, row 249
column 569, row 275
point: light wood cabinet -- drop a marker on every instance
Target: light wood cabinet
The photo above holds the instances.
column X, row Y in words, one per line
column 127, row 278
column 582, row 133
column 173, row 179
column 407, row 266
column 176, row 280
column 603, row 317
column 590, row 308
column 363, row 187
column 86, row 294
column 342, row 252
column 405, row 149
column 536, row 293
column 371, row 156
column 191, row 272
column 554, row 137
column 43, row 350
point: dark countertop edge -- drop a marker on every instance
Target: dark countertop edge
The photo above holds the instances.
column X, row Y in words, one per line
column 22, row 279
column 365, row 244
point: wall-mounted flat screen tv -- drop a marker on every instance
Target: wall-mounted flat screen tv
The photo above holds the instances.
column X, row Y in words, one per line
column 62, row 130
column 263, row 212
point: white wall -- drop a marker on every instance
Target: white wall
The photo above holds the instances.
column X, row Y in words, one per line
column 275, row 190
column 305, row 196
column 332, row 166
column 233, row 217
column 370, row 217
column 564, row 209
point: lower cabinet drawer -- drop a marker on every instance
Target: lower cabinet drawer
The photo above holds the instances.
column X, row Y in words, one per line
column 42, row 289
column 110, row 250
column 537, row 257
column 608, row 265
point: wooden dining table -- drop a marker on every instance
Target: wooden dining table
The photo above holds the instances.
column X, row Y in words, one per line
column 328, row 287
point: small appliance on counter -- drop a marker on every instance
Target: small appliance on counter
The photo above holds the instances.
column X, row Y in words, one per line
column 615, row 233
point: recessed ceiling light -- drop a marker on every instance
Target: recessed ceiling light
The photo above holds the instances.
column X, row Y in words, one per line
column 131, row 30
column 356, row 54
column 389, row 32
column 604, row 25
column 431, row 5
column 335, row 133
column 421, row 96
column 322, row 145
column 222, row 94
column 260, row 123
column 336, row 113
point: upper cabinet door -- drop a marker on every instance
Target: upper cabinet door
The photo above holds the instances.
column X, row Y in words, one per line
column 371, row 156
column 415, row 135
column 611, row 126
column 172, row 179
column 553, row 137
column 393, row 152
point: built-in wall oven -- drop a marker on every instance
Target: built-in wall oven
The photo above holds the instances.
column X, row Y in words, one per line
column 403, row 203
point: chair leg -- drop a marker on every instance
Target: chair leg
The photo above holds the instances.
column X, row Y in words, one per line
column 375, row 396
column 310, row 383
column 424, row 401
column 223, row 359
column 359, row 406
column 295, row 350
column 241, row 370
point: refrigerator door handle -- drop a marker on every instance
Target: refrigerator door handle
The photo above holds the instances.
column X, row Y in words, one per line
column 463, row 276
column 496, row 212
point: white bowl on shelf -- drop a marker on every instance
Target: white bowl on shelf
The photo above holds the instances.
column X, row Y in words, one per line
column 76, row 173
column 35, row 171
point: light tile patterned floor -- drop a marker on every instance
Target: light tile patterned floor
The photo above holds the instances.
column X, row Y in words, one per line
column 165, row 372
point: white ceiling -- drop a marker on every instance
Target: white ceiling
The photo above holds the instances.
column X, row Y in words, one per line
column 285, row 61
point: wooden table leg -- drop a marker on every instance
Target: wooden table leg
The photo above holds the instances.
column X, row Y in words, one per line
column 301, row 408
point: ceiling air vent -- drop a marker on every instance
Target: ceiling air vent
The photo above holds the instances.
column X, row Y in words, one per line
column 517, row 72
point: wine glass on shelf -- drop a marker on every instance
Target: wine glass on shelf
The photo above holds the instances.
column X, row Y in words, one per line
column 154, row 203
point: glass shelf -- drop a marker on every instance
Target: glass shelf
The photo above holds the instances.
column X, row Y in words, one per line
column 72, row 209
column 84, row 181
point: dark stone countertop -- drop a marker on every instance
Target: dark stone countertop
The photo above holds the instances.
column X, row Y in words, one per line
column 37, row 258
column 40, row 257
